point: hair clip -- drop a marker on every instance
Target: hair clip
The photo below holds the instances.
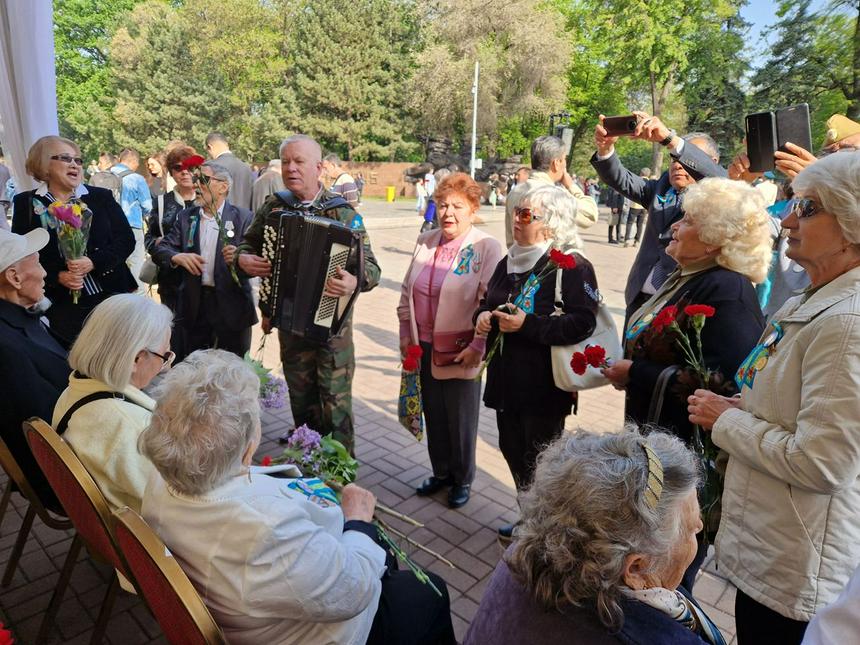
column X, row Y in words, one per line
column 654, row 483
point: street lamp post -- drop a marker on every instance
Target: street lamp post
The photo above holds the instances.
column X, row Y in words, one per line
column 474, row 120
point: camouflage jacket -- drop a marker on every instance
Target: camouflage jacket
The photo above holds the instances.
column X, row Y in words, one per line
column 326, row 204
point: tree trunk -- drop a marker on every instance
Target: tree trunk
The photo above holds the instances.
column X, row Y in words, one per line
column 853, row 111
column 658, row 102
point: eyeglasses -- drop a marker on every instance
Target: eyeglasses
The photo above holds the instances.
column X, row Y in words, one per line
column 166, row 359
column 804, row 208
column 206, row 179
column 68, row 159
column 526, row 215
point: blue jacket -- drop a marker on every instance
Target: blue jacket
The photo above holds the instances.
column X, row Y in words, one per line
column 136, row 200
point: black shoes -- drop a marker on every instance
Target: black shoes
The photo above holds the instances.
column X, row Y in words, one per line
column 432, row 485
column 459, row 495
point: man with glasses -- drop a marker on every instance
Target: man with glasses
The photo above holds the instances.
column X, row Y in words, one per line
column 319, row 375
column 214, row 309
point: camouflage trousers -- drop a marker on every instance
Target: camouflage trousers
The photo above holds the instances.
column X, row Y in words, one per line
column 319, row 378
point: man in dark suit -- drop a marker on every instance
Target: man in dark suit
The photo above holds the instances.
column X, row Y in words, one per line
column 243, row 177
column 694, row 157
column 33, row 366
column 213, row 310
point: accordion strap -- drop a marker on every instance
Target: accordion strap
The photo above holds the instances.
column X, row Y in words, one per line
column 291, row 201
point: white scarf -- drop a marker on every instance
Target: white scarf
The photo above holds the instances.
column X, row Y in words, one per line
column 673, row 603
column 523, row 258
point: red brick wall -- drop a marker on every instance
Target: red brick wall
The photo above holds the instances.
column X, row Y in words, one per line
column 378, row 175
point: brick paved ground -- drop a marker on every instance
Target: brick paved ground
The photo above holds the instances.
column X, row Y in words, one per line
column 393, row 463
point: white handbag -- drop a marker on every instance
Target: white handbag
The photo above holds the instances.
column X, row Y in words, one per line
column 149, row 269
column 605, row 334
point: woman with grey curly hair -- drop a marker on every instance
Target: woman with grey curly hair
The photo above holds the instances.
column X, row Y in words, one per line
column 792, row 435
column 520, row 302
column 277, row 560
column 608, row 527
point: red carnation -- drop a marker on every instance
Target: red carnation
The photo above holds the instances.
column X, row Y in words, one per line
column 595, row 355
column 699, row 310
column 189, row 163
column 414, row 351
column 578, row 363
column 410, row 363
column 266, row 461
column 562, row 260
column 665, row 318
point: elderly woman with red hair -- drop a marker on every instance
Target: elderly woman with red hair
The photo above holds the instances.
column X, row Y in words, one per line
column 444, row 283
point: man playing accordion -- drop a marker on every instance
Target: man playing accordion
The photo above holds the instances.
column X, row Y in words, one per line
column 319, row 375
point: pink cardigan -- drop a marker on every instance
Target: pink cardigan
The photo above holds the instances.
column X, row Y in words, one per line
column 462, row 290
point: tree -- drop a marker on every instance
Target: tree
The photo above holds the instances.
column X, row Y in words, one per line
column 713, row 84
column 523, row 53
column 658, row 37
column 351, row 62
column 815, row 60
column 82, row 33
column 161, row 92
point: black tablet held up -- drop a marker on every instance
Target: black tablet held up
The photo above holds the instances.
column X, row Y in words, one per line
column 761, row 140
column 792, row 125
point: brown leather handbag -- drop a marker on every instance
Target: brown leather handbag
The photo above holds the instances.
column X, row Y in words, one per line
column 447, row 345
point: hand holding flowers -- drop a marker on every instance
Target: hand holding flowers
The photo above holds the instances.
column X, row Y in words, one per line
column 72, row 222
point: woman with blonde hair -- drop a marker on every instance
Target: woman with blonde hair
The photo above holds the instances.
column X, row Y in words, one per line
column 123, row 346
column 57, row 165
column 722, row 246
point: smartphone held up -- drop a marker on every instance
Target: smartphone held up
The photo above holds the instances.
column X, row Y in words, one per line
column 767, row 132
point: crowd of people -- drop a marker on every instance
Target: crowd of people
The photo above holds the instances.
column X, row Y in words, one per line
column 156, row 401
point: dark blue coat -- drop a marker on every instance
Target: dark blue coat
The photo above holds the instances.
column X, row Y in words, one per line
column 33, row 373
column 509, row 615
column 235, row 303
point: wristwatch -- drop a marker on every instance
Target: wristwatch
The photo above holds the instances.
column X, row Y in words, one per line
column 668, row 139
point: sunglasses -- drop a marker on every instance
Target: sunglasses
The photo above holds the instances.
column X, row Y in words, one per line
column 166, row 359
column 177, row 167
column 68, row 159
column 804, row 208
column 526, row 215
column 206, row 179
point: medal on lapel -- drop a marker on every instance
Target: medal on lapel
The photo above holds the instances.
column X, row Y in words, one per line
column 228, row 226
column 643, row 323
column 759, row 356
column 465, row 259
column 191, row 231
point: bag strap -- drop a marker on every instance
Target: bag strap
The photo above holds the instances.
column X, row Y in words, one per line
column 659, row 394
column 95, row 396
column 160, row 215
column 558, row 302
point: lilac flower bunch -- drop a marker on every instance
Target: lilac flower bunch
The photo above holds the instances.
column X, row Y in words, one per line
column 273, row 392
column 318, row 456
column 303, row 449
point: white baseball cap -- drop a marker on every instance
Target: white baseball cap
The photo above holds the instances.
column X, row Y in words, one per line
column 14, row 247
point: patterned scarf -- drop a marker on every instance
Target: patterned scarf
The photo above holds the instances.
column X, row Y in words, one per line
column 674, row 604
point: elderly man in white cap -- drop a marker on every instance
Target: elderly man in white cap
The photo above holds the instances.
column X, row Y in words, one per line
column 33, row 366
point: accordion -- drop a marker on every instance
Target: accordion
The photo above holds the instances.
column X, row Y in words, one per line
column 305, row 251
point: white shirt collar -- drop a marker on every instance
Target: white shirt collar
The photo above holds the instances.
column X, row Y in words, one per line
column 42, row 190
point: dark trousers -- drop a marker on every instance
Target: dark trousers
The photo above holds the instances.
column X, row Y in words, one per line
column 411, row 613
column 636, row 215
column 208, row 333
column 521, row 438
column 451, row 408
column 760, row 625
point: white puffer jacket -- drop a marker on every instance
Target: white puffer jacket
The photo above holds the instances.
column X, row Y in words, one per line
column 790, row 530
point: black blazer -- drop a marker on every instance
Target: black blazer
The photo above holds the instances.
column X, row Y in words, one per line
column 111, row 242
column 662, row 212
column 520, row 378
column 33, row 374
column 727, row 339
column 235, row 303
column 168, row 279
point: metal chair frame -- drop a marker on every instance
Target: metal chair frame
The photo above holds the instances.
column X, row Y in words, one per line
column 132, row 532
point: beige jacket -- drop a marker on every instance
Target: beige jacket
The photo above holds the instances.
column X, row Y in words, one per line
column 790, row 530
column 104, row 435
column 586, row 207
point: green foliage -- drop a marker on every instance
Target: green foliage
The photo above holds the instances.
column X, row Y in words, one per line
column 813, row 61
column 351, row 61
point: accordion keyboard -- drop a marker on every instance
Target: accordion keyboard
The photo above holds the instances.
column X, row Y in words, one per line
column 328, row 306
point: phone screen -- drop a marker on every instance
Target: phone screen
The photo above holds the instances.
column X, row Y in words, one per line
column 761, row 140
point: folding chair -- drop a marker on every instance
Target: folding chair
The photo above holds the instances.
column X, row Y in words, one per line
column 88, row 511
column 174, row 601
column 18, row 479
